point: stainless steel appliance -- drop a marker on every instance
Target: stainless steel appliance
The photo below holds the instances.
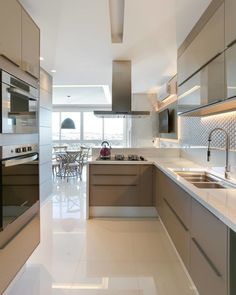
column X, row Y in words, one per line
column 19, row 191
column 19, row 104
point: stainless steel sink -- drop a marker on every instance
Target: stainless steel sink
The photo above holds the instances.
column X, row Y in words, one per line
column 196, row 177
column 199, row 176
column 209, row 185
column 205, row 180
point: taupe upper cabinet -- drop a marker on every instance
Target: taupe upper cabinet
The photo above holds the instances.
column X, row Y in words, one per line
column 10, row 31
column 19, row 37
column 230, row 60
column 205, row 87
column 30, row 45
column 206, row 45
column 230, row 21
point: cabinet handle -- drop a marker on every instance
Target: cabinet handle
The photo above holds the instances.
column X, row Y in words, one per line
column 107, row 174
column 176, row 215
column 207, row 258
column 231, row 43
column 203, row 66
column 114, row 184
column 8, row 59
column 30, row 74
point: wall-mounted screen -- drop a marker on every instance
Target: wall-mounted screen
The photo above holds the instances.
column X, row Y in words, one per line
column 164, row 121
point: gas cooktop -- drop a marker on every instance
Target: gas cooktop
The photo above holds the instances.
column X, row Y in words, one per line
column 121, row 157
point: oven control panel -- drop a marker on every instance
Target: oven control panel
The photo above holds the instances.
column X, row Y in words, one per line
column 18, row 150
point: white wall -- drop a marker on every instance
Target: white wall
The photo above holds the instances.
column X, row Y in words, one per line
column 143, row 130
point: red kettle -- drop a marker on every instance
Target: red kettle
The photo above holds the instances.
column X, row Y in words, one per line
column 105, row 152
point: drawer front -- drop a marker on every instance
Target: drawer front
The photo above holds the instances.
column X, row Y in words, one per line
column 118, row 169
column 114, row 180
column 146, row 186
column 206, row 278
column 177, row 231
column 211, row 234
column 179, row 200
column 113, row 195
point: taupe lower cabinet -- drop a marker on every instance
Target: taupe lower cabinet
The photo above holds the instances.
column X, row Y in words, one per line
column 120, row 185
column 200, row 238
column 208, row 252
column 174, row 208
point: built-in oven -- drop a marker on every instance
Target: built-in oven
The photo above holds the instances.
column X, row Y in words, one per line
column 19, row 190
column 19, row 105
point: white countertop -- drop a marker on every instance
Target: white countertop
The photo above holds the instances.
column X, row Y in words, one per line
column 221, row 202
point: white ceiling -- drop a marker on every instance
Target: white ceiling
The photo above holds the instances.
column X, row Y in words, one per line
column 76, row 39
column 86, row 95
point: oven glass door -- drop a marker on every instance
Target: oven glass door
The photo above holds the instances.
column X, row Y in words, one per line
column 19, row 187
column 19, row 109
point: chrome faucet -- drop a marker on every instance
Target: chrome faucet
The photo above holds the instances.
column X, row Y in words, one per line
column 227, row 169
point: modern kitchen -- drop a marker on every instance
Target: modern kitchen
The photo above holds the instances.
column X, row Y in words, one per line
column 118, row 147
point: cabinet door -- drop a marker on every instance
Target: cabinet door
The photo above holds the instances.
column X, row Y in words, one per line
column 146, row 188
column 205, row 87
column 209, row 253
column 207, row 44
column 230, row 21
column 121, row 185
column 45, row 81
column 178, row 199
column 177, row 230
column 156, row 194
column 30, row 46
column 114, row 185
column 230, row 65
column 10, row 31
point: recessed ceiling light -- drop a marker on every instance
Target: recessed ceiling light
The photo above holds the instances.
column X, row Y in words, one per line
column 53, row 71
column 41, row 58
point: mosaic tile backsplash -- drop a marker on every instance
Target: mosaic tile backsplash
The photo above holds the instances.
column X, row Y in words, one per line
column 194, row 131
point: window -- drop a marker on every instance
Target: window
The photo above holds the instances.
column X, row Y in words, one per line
column 92, row 127
column 89, row 129
column 114, row 129
column 71, row 134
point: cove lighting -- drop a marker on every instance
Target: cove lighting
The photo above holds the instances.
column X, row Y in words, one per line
column 103, row 285
column 218, row 116
column 168, row 98
column 193, row 89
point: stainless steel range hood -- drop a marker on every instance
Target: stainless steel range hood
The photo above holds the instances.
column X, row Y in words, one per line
column 121, row 92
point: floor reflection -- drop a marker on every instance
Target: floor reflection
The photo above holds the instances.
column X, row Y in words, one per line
column 98, row 257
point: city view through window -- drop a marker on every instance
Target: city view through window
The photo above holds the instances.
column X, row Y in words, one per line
column 89, row 129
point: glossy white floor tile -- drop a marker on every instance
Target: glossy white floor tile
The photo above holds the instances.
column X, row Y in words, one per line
column 99, row 256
